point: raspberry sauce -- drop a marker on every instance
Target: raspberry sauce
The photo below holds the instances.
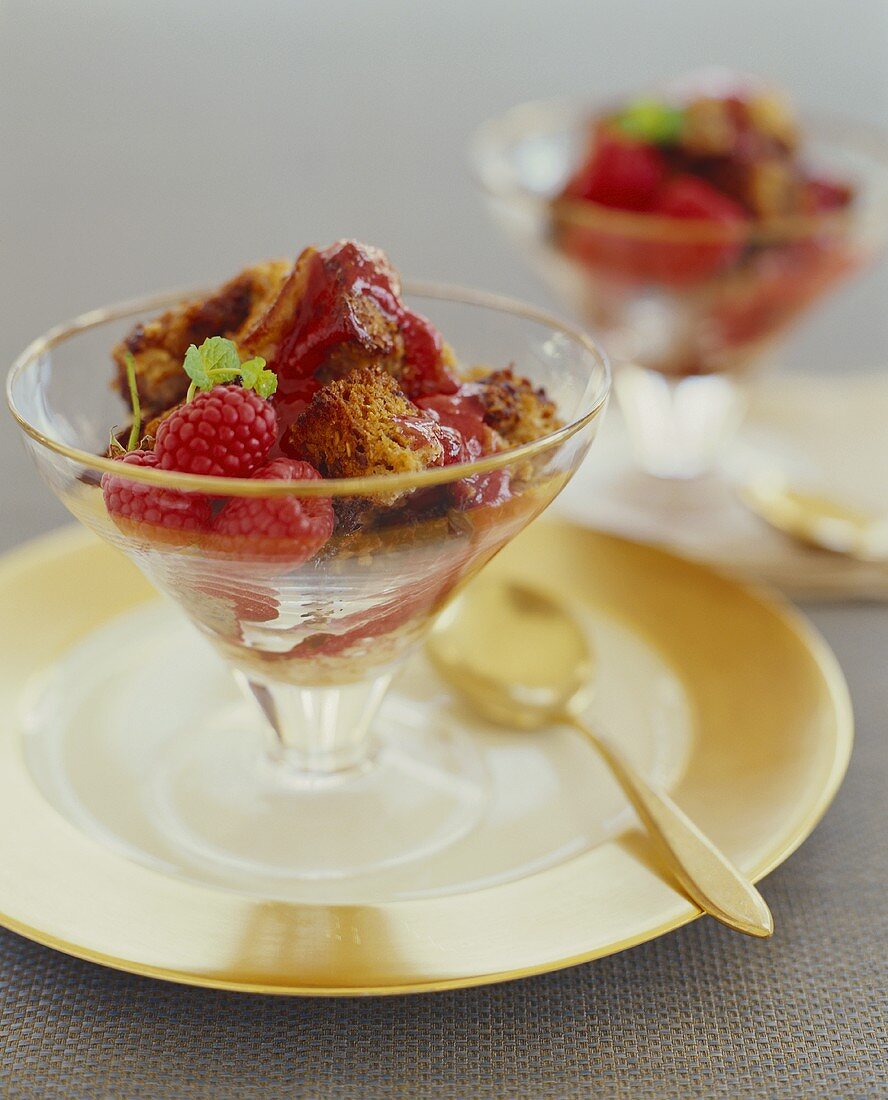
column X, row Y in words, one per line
column 326, row 317
column 326, row 314
column 463, row 412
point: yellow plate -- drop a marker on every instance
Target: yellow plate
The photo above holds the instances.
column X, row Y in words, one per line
column 774, row 736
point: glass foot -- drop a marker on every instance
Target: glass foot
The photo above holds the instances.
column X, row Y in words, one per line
column 180, row 779
column 222, row 799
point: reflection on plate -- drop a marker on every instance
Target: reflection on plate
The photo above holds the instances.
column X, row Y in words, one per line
column 728, row 699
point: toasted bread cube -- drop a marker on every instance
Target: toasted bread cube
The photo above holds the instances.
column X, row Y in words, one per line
column 320, row 316
column 514, row 408
column 362, row 425
column 158, row 347
column 709, row 128
column 772, row 115
column 772, row 188
column 377, row 342
column 340, row 309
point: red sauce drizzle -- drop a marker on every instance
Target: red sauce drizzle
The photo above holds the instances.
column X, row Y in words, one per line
column 324, row 319
column 463, row 412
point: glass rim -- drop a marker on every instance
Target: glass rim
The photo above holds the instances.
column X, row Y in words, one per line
column 327, row 487
column 570, row 113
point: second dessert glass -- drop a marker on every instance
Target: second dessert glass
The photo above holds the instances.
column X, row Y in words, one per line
column 314, row 787
column 682, row 340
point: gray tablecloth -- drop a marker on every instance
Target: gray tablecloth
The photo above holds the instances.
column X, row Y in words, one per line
column 699, row 1013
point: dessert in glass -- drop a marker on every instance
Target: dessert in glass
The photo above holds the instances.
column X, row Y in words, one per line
column 311, row 472
column 691, row 227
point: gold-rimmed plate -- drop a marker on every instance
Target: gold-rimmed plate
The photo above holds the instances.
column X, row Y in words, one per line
column 771, row 736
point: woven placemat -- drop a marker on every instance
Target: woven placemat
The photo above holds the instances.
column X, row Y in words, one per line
column 699, row 1013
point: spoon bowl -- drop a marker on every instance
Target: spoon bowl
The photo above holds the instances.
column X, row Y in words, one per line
column 521, row 659
column 818, row 520
column 515, row 655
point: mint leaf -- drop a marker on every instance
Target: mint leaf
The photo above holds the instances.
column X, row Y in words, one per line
column 256, row 377
column 217, row 361
column 266, row 384
column 220, row 358
column 251, row 370
column 196, row 369
column 652, row 121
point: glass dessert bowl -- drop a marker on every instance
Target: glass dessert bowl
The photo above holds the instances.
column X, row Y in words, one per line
column 333, row 517
column 692, row 229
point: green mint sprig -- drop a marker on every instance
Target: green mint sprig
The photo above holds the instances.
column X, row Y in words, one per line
column 652, row 121
column 217, row 361
column 136, row 429
column 115, row 448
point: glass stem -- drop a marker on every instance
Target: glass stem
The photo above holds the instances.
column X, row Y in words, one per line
column 678, row 426
column 319, row 730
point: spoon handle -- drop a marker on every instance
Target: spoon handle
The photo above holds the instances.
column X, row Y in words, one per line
column 706, row 875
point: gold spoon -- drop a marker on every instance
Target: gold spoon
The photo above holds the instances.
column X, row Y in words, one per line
column 523, row 661
column 818, row 520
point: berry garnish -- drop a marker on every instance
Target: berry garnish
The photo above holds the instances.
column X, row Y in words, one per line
column 684, row 262
column 287, row 530
column 462, row 414
column 687, row 196
column 227, row 431
column 164, row 510
column 622, row 173
column 222, row 430
column 671, row 261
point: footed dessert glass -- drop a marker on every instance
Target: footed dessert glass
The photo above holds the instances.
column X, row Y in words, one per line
column 687, row 308
column 306, row 784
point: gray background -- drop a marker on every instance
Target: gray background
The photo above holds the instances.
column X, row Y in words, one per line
column 158, row 144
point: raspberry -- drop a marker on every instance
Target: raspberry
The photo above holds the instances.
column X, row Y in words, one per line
column 462, row 416
column 620, row 173
column 133, row 502
column 782, row 281
column 689, row 197
column 288, row 530
column 227, row 431
column 668, row 261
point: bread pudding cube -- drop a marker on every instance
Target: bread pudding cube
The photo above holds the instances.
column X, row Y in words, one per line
column 363, row 425
column 772, row 188
column 340, row 309
column 771, row 115
column 158, row 347
column 710, row 127
column 514, row 409
column 321, row 322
